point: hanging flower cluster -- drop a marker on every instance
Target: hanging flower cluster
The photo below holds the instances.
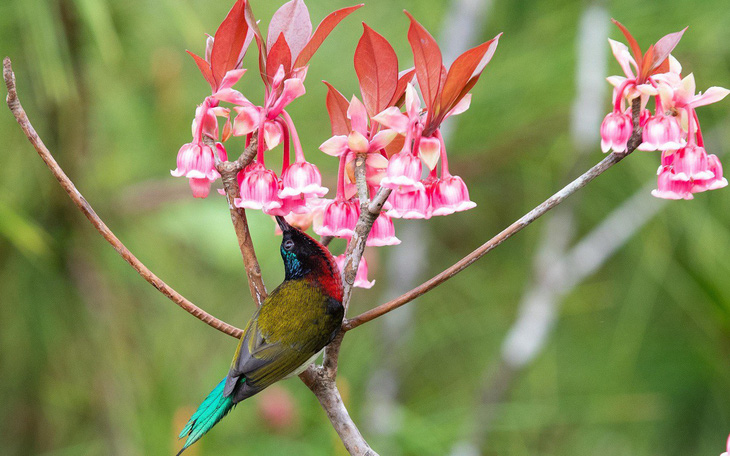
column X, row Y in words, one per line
column 674, row 127
column 402, row 150
column 284, row 56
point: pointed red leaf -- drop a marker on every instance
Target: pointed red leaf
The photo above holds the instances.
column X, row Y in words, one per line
column 323, row 30
column 229, row 40
column 664, row 47
column 404, row 77
column 427, row 59
column 204, row 68
column 253, row 25
column 646, row 65
column 262, row 58
column 337, row 106
column 635, row 49
column 376, row 66
column 279, row 54
column 292, row 19
column 662, row 68
column 464, row 68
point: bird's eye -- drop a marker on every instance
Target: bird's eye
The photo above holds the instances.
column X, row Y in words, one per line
column 288, row 244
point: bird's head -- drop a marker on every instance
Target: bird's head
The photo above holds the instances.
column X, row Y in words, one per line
column 304, row 256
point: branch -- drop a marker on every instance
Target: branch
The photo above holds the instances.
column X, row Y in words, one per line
column 325, row 388
column 88, row 211
column 229, row 171
column 508, row 232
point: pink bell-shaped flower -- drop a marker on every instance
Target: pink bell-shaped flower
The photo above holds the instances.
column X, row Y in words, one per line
column 259, row 188
column 361, row 278
column 662, row 133
column 404, row 172
column 615, row 131
column 669, row 188
column 448, row 195
column 717, row 181
column 382, row 233
column 339, row 218
column 196, row 161
column 302, row 178
column 410, row 205
column 690, row 164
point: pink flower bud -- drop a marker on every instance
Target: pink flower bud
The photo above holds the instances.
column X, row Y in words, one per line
column 409, row 205
column 302, row 178
column 259, row 188
column 662, row 133
column 404, row 172
column 339, row 218
column 615, row 131
column 449, row 195
column 382, row 233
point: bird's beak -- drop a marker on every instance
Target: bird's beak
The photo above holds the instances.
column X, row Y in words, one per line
column 283, row 224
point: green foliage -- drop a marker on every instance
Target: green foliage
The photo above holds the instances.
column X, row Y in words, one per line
column 95, row 361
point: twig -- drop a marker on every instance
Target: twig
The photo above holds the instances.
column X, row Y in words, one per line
column 508, row 232
column 321, row 379
column 325, row 388
column 229, row 171
column 88, row 211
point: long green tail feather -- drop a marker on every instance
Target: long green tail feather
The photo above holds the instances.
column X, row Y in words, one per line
column 210, row 412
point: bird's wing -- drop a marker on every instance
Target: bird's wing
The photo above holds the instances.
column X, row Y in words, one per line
column 266, row 355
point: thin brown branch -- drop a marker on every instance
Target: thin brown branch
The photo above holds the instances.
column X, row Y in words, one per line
column 353, row 254
column 22, row 119
column 229, row 171
column 508, row 232
column 329, row 398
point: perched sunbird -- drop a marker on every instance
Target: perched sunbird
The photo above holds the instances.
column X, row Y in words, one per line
column 285, row 334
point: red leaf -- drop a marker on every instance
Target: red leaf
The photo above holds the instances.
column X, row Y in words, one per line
column 253, row 25
column 279, row 54
column 292, row 19
column 262, row 58
column 461, row 71
column 427, row 59
column 376, row 66
column 646, row 65
column 204, row 68
column 664, row 47
column 323, row 30
column 229, row 40
column 635, row 49
column 404, row 78
column 337, row 106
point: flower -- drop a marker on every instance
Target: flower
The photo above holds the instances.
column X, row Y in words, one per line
column 382, row 232
column 449, row 195
column 662, row 133
column 339, row 218
column 361, row 278
column 259, row 188
column 410, row 205
column 615, row 131
column 302, row 178
column 404, row 172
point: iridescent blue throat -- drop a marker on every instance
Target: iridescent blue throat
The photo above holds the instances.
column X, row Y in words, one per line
column 292, row 266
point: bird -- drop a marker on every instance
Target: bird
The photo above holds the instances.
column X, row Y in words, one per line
column 285, row 334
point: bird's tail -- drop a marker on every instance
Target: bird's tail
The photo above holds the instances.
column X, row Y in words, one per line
column 210, row 412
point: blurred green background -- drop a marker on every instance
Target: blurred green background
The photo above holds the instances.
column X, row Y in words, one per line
column 95, row 361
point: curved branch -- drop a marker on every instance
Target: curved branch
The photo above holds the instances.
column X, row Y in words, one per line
column 508, row 232
column 88, row 211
